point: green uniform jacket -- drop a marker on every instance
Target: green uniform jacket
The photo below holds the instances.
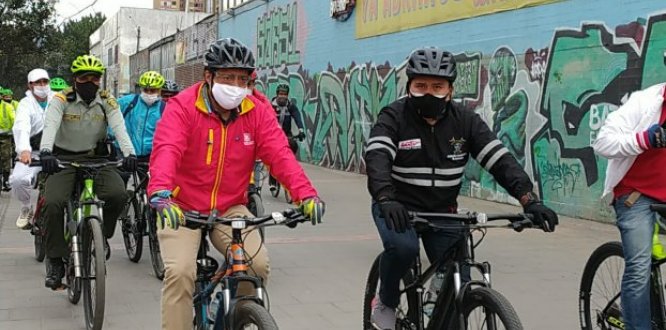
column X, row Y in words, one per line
column 75, row 126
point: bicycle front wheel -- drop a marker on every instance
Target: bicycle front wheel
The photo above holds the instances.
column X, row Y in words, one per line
column 599, row 298
column 485, row 308
column 132, row 230
column 406, row 312
column 94, row 271
column 39, row 241
column 250, row 315
column 155, row 256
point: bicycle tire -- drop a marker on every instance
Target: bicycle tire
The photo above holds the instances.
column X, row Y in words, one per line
column 601, row 254
column 132, row 233
column 154, row 244
column 93, row 248
column 371, row 288
column 287, row 197
column 493, row 303
column 255, row 205
column 250, row 312
column 38, row 239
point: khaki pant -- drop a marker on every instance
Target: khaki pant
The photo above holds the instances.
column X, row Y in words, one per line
column 179, row 252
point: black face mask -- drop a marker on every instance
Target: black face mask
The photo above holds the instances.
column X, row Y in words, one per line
column 6, row 101
column 87, row 91
column 429, row 106
column 281, row 101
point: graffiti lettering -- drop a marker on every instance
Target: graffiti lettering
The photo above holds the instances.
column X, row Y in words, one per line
column 467, row 83
column 536, row 61
column 276, row 37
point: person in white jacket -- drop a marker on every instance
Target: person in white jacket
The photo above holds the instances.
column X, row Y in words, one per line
column 633, row 138
column 27, row 130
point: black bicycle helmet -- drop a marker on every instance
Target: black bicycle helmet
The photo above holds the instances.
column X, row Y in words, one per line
column 229, row 53
column 171, row 86
column 432, row 62
column 282, row 88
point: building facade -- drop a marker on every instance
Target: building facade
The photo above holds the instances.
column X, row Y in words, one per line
column 127, row 32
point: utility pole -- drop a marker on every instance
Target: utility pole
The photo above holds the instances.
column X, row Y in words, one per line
column 138, row 37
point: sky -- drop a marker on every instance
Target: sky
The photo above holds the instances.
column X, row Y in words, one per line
column 67, row 8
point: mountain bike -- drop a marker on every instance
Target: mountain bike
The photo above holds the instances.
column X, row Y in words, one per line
column 232, row 311
column 138, row 220
column 85, row 267
column 459, row 305
column 599, row 301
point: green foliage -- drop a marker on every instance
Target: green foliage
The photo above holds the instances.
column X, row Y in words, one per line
column 29, row 38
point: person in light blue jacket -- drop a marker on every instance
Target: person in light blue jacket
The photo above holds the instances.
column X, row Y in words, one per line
column 142, row 111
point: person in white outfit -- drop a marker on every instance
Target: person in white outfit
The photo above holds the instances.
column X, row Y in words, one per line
column 27, row 130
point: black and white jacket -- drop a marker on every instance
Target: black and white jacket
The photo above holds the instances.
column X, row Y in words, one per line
column 422, row 166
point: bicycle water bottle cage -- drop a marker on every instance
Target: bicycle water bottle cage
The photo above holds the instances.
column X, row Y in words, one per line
column 207, row 266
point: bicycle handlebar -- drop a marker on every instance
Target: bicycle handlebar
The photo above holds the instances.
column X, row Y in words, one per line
column 81, row 164
column 518, row 221
column 290, row 217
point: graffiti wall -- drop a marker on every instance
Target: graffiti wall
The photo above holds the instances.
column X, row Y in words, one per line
column 544, row 89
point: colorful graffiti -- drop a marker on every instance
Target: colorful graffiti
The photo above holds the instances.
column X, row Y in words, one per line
column 276, row 37
column 546, row 104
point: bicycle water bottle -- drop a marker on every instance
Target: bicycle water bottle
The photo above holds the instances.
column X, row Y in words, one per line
column 431, row 295
column 657, row 249
column 213, row 307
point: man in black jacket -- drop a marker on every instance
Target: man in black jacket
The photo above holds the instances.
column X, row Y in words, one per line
column 286, row 111
column 415, row 158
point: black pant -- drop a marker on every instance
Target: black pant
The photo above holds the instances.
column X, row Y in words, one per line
column 57, row 192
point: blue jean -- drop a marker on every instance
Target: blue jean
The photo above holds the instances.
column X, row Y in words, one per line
column 636, row 226
column 400, row 251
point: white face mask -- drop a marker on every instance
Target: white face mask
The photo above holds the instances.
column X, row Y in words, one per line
column 227, row 96
column 41, row 91
column 149, row 98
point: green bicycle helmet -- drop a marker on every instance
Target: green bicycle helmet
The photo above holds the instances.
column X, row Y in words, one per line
column 283, row 88
column 151, row 79
column 6, row 91
column 57, row 84
column 87, row 64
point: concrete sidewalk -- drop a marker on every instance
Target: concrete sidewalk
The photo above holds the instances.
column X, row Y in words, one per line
column 317, row 273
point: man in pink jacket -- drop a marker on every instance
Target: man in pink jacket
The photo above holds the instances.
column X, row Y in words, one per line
column 203, row 154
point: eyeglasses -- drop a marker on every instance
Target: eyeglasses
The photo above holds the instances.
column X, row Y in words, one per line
column 437, row 89
column 231, row 79
column 87, row 78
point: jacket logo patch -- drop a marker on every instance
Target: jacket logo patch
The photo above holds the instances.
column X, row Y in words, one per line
column 247, row 139
column 409, row 144
column 457, row 145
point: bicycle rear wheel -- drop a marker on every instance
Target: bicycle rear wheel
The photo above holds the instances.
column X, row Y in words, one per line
column 599, row 297
column 255, row 204
column 406, row 312
column 155, row 256
column 132, row 231
column 94, row 270
column 485, row 308
column 250, row 315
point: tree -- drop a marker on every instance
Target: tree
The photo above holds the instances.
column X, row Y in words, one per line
column 74, row 41
column 26, row 37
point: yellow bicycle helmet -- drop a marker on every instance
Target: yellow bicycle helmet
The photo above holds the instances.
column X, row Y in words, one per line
column 151, row 79
column 87, row 63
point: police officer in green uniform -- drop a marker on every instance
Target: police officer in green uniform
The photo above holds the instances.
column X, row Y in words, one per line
column 7, row 114
column 76, row 121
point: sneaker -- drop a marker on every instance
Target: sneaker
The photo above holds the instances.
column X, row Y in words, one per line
column 272, row 188
column 382, row 316
column 55, row 271
column 6, row 187
column 24, row 218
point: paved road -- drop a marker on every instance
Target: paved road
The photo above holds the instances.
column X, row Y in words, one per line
column 317, row 273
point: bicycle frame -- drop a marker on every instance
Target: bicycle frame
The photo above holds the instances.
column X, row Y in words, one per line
column 80, row 212
column 453, row 290
column 235, row 272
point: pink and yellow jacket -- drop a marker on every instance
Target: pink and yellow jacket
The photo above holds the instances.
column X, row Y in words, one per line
column 207, row 164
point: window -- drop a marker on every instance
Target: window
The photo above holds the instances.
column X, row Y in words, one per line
column 116, row 54
column 109, row 57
